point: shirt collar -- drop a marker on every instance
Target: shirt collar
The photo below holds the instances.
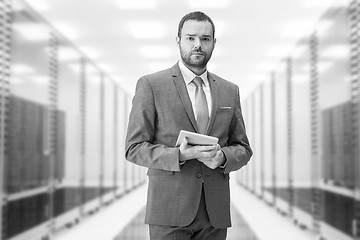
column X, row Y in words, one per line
column 188, row 75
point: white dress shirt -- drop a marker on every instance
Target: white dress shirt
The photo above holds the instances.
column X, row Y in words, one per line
column 188, row 76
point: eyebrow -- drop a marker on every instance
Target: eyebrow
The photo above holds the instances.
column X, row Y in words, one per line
column 192, row 35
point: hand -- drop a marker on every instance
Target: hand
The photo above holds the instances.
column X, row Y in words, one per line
column 188, row 152
column 214, row 162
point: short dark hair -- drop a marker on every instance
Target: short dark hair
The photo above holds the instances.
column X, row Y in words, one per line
column 197, row 16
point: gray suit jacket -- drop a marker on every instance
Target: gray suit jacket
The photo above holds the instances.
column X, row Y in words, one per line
column 161, row 108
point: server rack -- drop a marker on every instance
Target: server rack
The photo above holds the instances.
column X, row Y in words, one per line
column 301, row 135
column 257, row 143
column 248, row 122
column 242, row 175
column 67, row 196
column 5, row 45
column 267, row 149
column 281, row 131
column 109, row 146
column 252, row 164
column 336, row 174
column 261, row 141
column 273, row 140
column 322, row 85
column 354, row 10
column 46, row 178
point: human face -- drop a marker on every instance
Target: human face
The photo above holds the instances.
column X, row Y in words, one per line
column 196, row 44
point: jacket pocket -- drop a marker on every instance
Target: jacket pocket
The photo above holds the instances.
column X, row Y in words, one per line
column 160, row 172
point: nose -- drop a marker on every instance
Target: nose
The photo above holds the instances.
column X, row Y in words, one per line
column 197, row 44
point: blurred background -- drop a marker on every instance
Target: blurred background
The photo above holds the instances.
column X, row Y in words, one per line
column 68, row 73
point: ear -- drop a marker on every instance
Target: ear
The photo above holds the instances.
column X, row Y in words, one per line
column 178, row 41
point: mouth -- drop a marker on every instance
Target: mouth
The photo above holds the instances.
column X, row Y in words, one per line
column 198, row 54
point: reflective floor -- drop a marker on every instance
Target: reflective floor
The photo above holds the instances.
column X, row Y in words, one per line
column 137, row 230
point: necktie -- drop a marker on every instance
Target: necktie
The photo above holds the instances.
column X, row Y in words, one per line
column 202, row 111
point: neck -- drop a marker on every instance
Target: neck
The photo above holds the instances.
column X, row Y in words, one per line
column 198, row 71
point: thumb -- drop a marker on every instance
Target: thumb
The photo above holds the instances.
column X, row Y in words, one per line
column 184, row 144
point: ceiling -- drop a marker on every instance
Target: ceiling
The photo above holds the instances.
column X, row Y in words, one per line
column 251, row 35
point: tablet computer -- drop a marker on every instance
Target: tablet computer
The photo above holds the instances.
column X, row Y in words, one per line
column 195, row 138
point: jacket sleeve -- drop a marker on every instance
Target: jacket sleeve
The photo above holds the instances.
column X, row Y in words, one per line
column 238, row 151
column 139, row 146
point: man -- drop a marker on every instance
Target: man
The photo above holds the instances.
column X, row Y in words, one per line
column 188, row 192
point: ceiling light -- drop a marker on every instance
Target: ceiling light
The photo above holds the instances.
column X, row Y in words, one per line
column 297, row 29
column 265, row 67
column 158, row 66
column 323, row 4
column 40, row 79
column 341, row 3
column 317, row 3
column 17, row 81
column 323, row 27
column 90, row 69
column 107, row 67
column 67, row 30
column 203, row 4
column 321, row 66
column 90, row 52
column 21, row 69
column 76, row 67
column 299, row 50
column 155, row 51
column 146, row 30
column 32, row 31
column 17, row 6
column 118, row 79
column 300, row 78
column 339, row 51
column 257, row 77
column 136, row 4
column 68, row 54
column 278, row 51
column 93, row 79
column 281, row 67
column 39, row 5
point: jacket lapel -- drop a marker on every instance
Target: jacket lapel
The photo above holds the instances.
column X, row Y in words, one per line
column 214, row 96
column 183, row 93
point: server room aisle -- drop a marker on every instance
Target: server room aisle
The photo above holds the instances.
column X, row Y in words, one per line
column 252, row 219
column 137, row 230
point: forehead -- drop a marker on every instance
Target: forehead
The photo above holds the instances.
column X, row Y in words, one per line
column 192, row 27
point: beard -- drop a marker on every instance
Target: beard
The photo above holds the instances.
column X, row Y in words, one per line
column 196, row 59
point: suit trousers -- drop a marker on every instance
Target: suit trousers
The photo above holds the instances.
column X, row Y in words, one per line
column 199, row 229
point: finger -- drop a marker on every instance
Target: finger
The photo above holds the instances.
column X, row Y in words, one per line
column 206, row 154
column 207, row 148
column 209, row 164
column 204, row 159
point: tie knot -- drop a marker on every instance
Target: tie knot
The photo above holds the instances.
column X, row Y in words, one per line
column 198, row 81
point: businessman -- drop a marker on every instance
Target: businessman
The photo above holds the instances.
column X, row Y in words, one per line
column 188, row 191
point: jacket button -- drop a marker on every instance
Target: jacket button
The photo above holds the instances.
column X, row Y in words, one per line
column 198, row 175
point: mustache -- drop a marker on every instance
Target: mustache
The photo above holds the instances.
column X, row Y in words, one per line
column 198, row 52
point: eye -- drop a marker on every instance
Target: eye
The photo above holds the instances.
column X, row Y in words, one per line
column 190, row 38
column 205, row 39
